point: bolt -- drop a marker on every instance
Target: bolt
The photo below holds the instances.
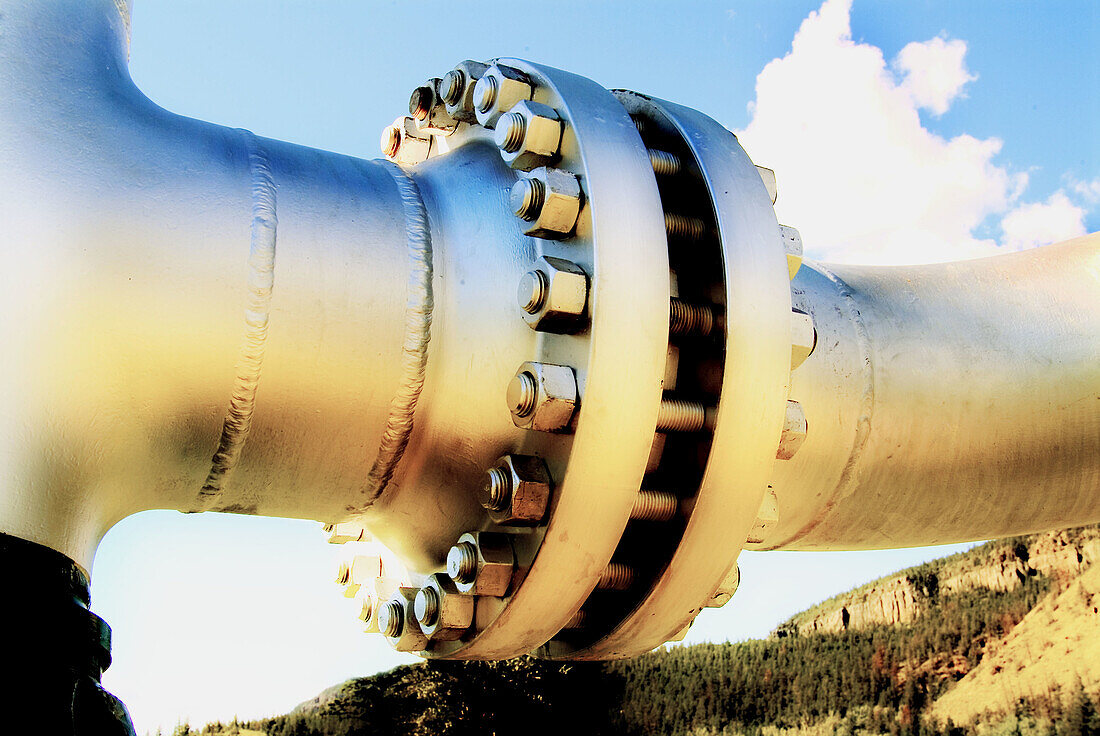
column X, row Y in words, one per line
column 498, row 489
column 426, row 606
column 421, row 101
column 531, row 292
column 343, row 575
column 485, row 93
column 527, row 197
column 367, row 610
column 690, row 319
column 522, row 394
column 577, row 621
column 462, row 562
column 510, row 131
column 678, row 415
column 681, row 226
column 654, row 506
column 391, row 140
column 391, row 619
column 616, row 576
column 454, row 82
column 664, row 163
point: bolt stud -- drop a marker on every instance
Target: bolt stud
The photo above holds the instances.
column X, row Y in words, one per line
column 616, row 576
column 421, row 101
column 664, row 163
column 522, row 394
column 682, row 226
column 485, row 93
column 527, row 197
column 498, row 489
column 452, row 86
column 690, row 319
column 531, row 293
column 462, row 562
column 426, row 606
column 678, row 415
column 654, row 506
column 391, row 141
column 391, row 619
column 510, row 132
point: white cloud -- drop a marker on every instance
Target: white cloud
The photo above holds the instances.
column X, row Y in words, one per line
column 1088, row 191
column 858, row 174
column 1040, row 223
column 933, row 72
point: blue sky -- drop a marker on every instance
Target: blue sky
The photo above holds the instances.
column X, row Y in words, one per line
column 986, row 135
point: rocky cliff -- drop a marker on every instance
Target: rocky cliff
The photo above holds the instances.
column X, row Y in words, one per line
column 998, row 566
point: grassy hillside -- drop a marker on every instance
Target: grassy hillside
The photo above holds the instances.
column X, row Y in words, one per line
column 1002, row 639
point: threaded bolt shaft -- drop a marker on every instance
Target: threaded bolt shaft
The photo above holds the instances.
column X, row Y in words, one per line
column 510, row 132
column 690, row 319
column 391, row 619
column 367, row 610
column 616, row 576
column 682, row 226
column 485, row 93
column 526, row 198
column 391, row 141
column 426, row 606
column 664, row 163
column 462, row 563
column 522, row 394
column 452, row 86
column 577, row 621
column 498, row 485
column 421, row 101
column 343, row 575
column 654, row 506
column 679, row 415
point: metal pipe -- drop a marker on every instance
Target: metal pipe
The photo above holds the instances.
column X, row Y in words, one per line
column 946, row 403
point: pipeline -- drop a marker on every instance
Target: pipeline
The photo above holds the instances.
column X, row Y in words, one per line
column 468, row 359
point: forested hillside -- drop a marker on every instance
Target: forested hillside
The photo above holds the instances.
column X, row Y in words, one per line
column 1004, row 639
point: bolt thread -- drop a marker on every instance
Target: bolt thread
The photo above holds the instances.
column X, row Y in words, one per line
column 527, row 198
column 499, row 489
column 664, row 163
column 430, row 606
column 678, row 415
column 690, row 319
column 391, row 619
column 486, row 93
column 527, row 395
column 391, row 141
column 343, row 575
column 420, row 103
column 577, row 621
column 682, row 226
column 367, row 611
column 511, row 130
column 452, row 86
column 616, row 576
column 640, row 123
column 462, row 562
column 654, row 506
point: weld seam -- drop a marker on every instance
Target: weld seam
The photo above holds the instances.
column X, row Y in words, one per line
column 419, row 304
column 261, row 280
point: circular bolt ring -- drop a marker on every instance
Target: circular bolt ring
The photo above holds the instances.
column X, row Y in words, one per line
column 485, row 93
column 426, row 606
column 522, row 394
column 420, row 103
column 391, row 619
column 531, row 293
column 454, row 82
column 527, row 197
column 462, row 562
column 499, row 489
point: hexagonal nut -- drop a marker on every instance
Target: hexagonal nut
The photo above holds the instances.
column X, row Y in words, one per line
column 482, row 563
column 725, row 590
column 792, row 246
column 794, row 431
column 402, row 143
column 529, row 135
column 361, row 570
column 457, row 90
column 550, row 200
column 516, row 492
column 345, row 531
column 427, row 109
column 803, row 337
column 397, row 622
column 543, row 397
column 444, row 613
column 498, row 89
column 367, row 613
column 553, row 295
